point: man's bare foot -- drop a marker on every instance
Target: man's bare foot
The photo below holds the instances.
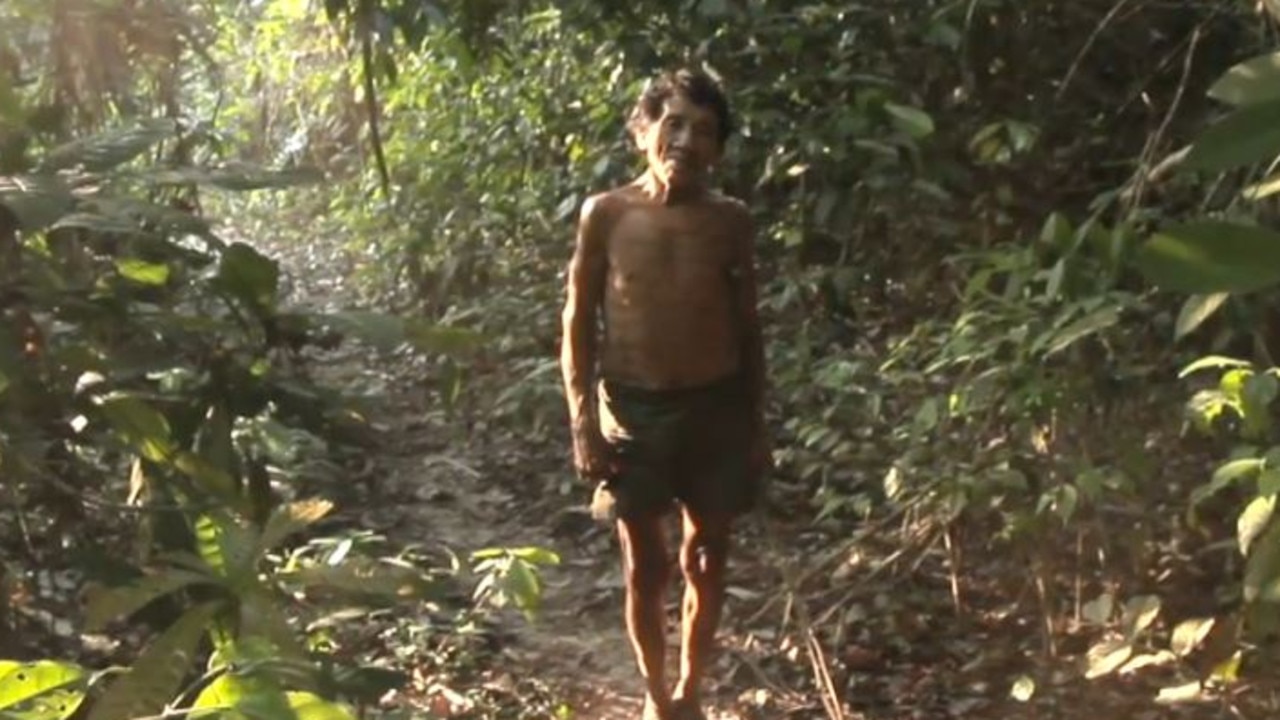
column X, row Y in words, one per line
column 686, row 708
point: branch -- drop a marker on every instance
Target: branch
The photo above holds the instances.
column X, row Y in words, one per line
column 371, row 102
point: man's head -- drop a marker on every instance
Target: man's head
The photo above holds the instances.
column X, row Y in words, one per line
column 681, row 123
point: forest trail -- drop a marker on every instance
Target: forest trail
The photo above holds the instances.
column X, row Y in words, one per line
column 474, row 495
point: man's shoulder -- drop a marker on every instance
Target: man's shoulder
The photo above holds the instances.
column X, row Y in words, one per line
column 609, row 202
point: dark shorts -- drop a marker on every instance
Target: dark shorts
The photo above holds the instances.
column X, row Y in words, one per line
column 690, row 446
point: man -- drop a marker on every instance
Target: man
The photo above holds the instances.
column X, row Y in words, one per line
column 666, row 404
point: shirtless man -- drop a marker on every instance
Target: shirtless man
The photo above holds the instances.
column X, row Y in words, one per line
column 666, row 404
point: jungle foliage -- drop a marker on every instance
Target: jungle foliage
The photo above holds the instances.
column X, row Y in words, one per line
column 1021, row 266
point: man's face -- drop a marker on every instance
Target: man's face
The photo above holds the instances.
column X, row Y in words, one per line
column 682, row 144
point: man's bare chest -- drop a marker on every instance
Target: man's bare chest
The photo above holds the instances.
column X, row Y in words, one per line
column 675, row 250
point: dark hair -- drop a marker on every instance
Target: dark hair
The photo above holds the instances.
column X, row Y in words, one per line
column 699, row 87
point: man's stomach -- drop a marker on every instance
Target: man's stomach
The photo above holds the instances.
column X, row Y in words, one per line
column 671, row 356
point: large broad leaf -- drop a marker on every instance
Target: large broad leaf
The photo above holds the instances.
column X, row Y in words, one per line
column 140, row 424
column 143, row 272
column 38, row 201
column 157, row 676
column 308, row 706
column 107, row 604
column 1247, row 136
column 262, row 617
column 249, row 275
column 1196, row 310
column 227, row 547
column 110, row 149
column 21, row 684
column 1262, row 572
column 236, row 697
column 1211, row 257
column 1254, row 520
column 1250, row 83
column 913, row 121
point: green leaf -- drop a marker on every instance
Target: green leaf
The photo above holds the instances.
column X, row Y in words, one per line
column 23, row 682
column 141, row 425
column 1096, row 321
column 4, row 382
column 109, row 149
column 308, row 706
column 1139, row 613
column 536, row 555
column 521, row 584
column 214, row 480
column 157, row 676
column 1098, row 610
column 38, row 201
column 913, row 121
column 1262, row 571
column 1189, row 634
column 261, row 616
column 1269, row 481
column 143, row 272
column 1226, row 474
column 1247, row 136
column 1254, row 520
column 226, row 691
column 107, row 604
column 249, row 275
column 1251, row 82
column 1263, row 189
column 1257, row 394
column 53, row 705
column 1196, row 310
column 1212, row 256
column 291, row 518
column 1106, row 657
column 1212, row 361
column 227, row 547
column 238, row 697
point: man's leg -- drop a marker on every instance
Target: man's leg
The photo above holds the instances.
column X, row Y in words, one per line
column 646, row 568
column 704, row 554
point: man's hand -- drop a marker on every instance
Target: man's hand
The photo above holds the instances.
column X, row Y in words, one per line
column 592, row 455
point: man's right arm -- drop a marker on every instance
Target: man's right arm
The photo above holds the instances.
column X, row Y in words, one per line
column 579, row 348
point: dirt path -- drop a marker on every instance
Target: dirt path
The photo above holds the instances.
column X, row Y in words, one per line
column 475, row 493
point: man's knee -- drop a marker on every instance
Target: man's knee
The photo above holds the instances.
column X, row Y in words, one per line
column 704, row 554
